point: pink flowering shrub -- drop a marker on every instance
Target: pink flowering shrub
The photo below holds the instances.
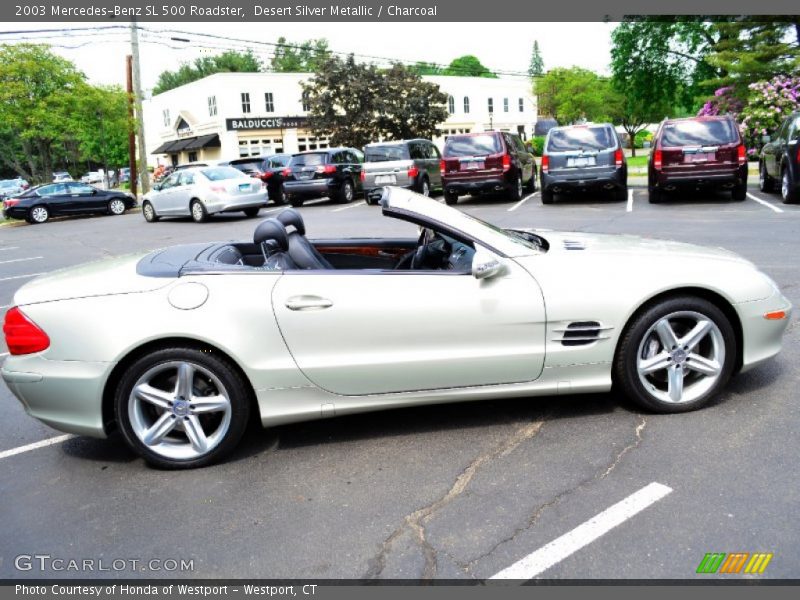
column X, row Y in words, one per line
column 768, row 104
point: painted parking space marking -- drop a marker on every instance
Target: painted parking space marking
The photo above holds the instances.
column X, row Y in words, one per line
column 341, row 208
column 10, row 248
column 522, row 201
column 764, row 203
column 13, row 260
column 629, row 208
column 21, row 276
column 36, row 445
column 584, row 534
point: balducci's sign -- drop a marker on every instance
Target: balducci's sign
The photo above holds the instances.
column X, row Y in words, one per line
column 265, row 123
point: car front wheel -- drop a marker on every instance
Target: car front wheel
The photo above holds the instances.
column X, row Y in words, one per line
column 116, row 207
column 149, row 212
column 676, row 355
column 182, row 407
column 788, row 193
column 765, row 183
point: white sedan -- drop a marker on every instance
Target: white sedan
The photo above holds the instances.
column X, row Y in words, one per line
column 283, row 329
column 202, row 191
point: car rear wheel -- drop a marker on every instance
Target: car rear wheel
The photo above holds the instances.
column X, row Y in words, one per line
column 425, row 187
column 621, row 193
column 346, row 193
column 450, row 197
column 182, row 407
column 655, row 196
column 149, row 213
column 199, row 212
column 788, row 193
column 251, row 212
column 296, row 202
column 739, row 192
column 38, row 214
column 280, row 198
column 547, row 196
column 676, row 355
column 530, row 187
column 116, row 207
column 765, row 182
column 516, row 192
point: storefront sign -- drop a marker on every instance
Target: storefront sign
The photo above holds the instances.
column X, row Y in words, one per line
column 265, row 123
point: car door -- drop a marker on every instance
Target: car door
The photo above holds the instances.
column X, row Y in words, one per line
column 353, row 169
column 184, row 192
column 85, row 198
column 376, row 332
column 58, row 199
column 434, row 172
column 772, row 151
column 162, row 200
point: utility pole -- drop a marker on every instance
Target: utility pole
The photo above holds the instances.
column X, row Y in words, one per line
column 132, row 180
column 137, row 85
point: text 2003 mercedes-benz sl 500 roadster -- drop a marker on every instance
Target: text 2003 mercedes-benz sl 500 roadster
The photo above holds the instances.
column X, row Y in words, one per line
column 179, row 348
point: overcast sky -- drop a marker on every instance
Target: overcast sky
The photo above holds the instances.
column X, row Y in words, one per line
column 500, row 46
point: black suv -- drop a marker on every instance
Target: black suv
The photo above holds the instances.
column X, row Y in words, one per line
column 583, row 157
column 268, row 169
column 490, row 161
column 780, row 160
column 335, row 173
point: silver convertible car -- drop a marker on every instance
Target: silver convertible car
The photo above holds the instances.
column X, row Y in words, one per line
column 286, row 329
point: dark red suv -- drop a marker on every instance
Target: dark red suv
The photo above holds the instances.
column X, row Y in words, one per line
column 490, row 161
column 700, row 152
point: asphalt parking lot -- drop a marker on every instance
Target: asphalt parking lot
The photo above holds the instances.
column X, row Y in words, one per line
column 451, row 492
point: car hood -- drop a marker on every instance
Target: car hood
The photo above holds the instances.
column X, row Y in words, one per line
column 101, row 278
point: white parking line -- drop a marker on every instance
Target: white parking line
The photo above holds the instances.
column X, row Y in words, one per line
column 3, row 353
column 630, row 201
column 584, row 534
column 317, row 201
column 362, row 202
column 13, row 260
column 523, row 201
column 36, row 446
column 21, row 276
column 765, row 203
column 10, row 248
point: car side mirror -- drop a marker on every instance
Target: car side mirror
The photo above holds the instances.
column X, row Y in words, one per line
column 766, row 139
column 485, row 265
column 157, row 187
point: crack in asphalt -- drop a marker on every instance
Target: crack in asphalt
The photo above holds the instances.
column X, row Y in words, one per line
column 414, row 523
column 534, row 518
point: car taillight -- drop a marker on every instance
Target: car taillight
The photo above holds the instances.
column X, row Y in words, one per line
column 220, row 189
column 545, row 163
column 326, row 169
column 23, row 336
column 363, row 176
column 442, row 167
column 413, row 172
column 742, row 154
column 266, row 175
column 11, row 202
column 657, row 159
column 506, row 162
column 618, row 158
column 286, row 172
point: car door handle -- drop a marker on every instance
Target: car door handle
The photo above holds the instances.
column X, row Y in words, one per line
column 308, row 303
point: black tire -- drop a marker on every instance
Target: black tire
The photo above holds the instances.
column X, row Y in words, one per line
column 788, row 191
column 252, row 212
column 739, row 192
column 198, row 211
column 655, row 196
column 280, row 198
column 547, row 196
column 235, row 385
column 114, row 207
column 621, row 194
column 450, row 197
column 149, row 213
column 515, row 192
column 424, row 187
column 296, row 202
column 368, row 200
column 765, row 183
column 530, row 187
column 626, row 373
column 38, row 214
column 346, row 192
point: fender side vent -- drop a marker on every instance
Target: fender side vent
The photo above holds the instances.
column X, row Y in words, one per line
column 580, row 333
column 574, row 245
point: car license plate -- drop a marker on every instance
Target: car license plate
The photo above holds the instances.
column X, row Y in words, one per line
column 699, row 157
column 472, row 165
column 244, row 187
column 584, row 161
column 385, row 180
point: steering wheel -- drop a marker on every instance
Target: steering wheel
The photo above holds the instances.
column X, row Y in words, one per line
column 421, row 253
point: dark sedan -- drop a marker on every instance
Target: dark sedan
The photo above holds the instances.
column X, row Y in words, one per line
column 779, row 165
column 38, row 204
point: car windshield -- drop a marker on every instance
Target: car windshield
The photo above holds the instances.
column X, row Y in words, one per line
column 472, row 145
column 699, row 133
column 386, row 153
column 220, row 173
column 580, row 138
column 308, row 160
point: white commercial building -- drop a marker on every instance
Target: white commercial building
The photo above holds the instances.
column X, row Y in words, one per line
column 228, row 115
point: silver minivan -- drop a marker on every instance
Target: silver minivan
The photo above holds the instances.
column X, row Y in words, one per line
column 412, row 164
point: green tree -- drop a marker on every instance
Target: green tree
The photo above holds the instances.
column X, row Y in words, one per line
column 426, row 68
column 230, row 61
column 536, row 67
column 574, row 94
column 100, row 124
column 467, row 66
column 306, row 57
column 356, row 103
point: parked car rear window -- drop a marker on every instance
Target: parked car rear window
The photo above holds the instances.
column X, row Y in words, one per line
column 699, row 133
column 580, row 138
column 308, row 160
column 472, row 145
column 253, row 165
column 386, row 153
column 220, row 173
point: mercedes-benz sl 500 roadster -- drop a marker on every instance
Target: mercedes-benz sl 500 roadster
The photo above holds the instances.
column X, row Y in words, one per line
column 181, row 347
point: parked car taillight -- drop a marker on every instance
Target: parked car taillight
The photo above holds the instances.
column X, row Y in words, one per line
column 363, row 176
column 326, row 169
column 413, row 172
column 286, row 172
column 742, row 154
column 657, row 159
column 506, row 162
column 23, row 336
column 618, row 158
column 545, row 163
column 10, row 202
column 442, row 167
column 220, row 189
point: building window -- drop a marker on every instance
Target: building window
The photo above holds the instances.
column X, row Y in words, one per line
column 305, row 100
column 491, row 105
column 165, row 114
column 192, row 157
column 521, row 105
column 212, row 106
column 466, row 105
column 505, row 104
column 451, row 104
column 269, row 104
column 245, row 102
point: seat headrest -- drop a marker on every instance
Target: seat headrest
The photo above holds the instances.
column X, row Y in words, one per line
column 271, row 229
column 292, row 217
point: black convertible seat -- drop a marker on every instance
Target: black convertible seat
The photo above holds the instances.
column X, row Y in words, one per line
column 270, row 236
column 227, row 255
column 302, row 252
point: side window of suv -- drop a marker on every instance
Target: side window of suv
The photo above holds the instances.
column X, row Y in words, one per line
column 433, row 151
column 336, row 158
column 352, row 158
column 416, row 151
